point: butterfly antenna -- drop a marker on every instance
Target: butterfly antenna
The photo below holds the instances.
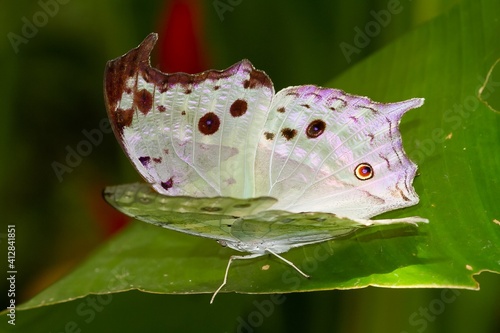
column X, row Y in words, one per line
column 289, row 263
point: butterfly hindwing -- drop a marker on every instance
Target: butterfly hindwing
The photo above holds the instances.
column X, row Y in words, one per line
column 242, row 224
column 205, row 217
column 313, row 141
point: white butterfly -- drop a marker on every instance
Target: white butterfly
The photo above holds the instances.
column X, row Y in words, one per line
column 260, row 172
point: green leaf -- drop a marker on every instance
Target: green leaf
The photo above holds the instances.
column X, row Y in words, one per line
column 454, row 139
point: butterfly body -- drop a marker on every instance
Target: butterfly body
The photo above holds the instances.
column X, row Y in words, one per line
column 259, row 171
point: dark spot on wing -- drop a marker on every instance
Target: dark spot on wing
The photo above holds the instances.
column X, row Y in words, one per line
column 143, row 100
column 364, row 171
column 238, row 108
column 168, row 184
column 244, row 205
column 288, row 133
column 371, row 136
column 123, row 118
column 209, row 123
column 145, row 160
column 269, row 136
column 211, row 209
column 315, row 128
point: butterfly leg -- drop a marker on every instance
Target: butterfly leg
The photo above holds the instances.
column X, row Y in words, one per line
column 289, row 263
column 250, row 256
column 411, row 220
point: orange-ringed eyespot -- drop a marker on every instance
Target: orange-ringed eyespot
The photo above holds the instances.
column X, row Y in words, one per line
column 363, row 171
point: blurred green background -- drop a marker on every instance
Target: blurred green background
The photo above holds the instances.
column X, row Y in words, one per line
column 51, row 92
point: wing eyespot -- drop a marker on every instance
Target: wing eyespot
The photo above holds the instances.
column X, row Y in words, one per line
column 315, row 128
column 364, row 171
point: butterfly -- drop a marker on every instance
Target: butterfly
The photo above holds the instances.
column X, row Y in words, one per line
column 225, row 157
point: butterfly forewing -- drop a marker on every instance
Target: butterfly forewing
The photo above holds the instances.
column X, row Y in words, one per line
column 188, row 134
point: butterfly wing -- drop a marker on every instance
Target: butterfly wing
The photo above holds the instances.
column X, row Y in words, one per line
column 188, row 134
column 205, row 217
column 225, row 133
column 280, row 231
column 314, row 140
column 243, row 224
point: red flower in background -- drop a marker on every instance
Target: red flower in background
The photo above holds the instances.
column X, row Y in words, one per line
column 180, row 38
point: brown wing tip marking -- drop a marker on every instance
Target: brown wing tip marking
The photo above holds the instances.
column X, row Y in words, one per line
column 120, row 69
column 136, row 61
column 117, row 72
